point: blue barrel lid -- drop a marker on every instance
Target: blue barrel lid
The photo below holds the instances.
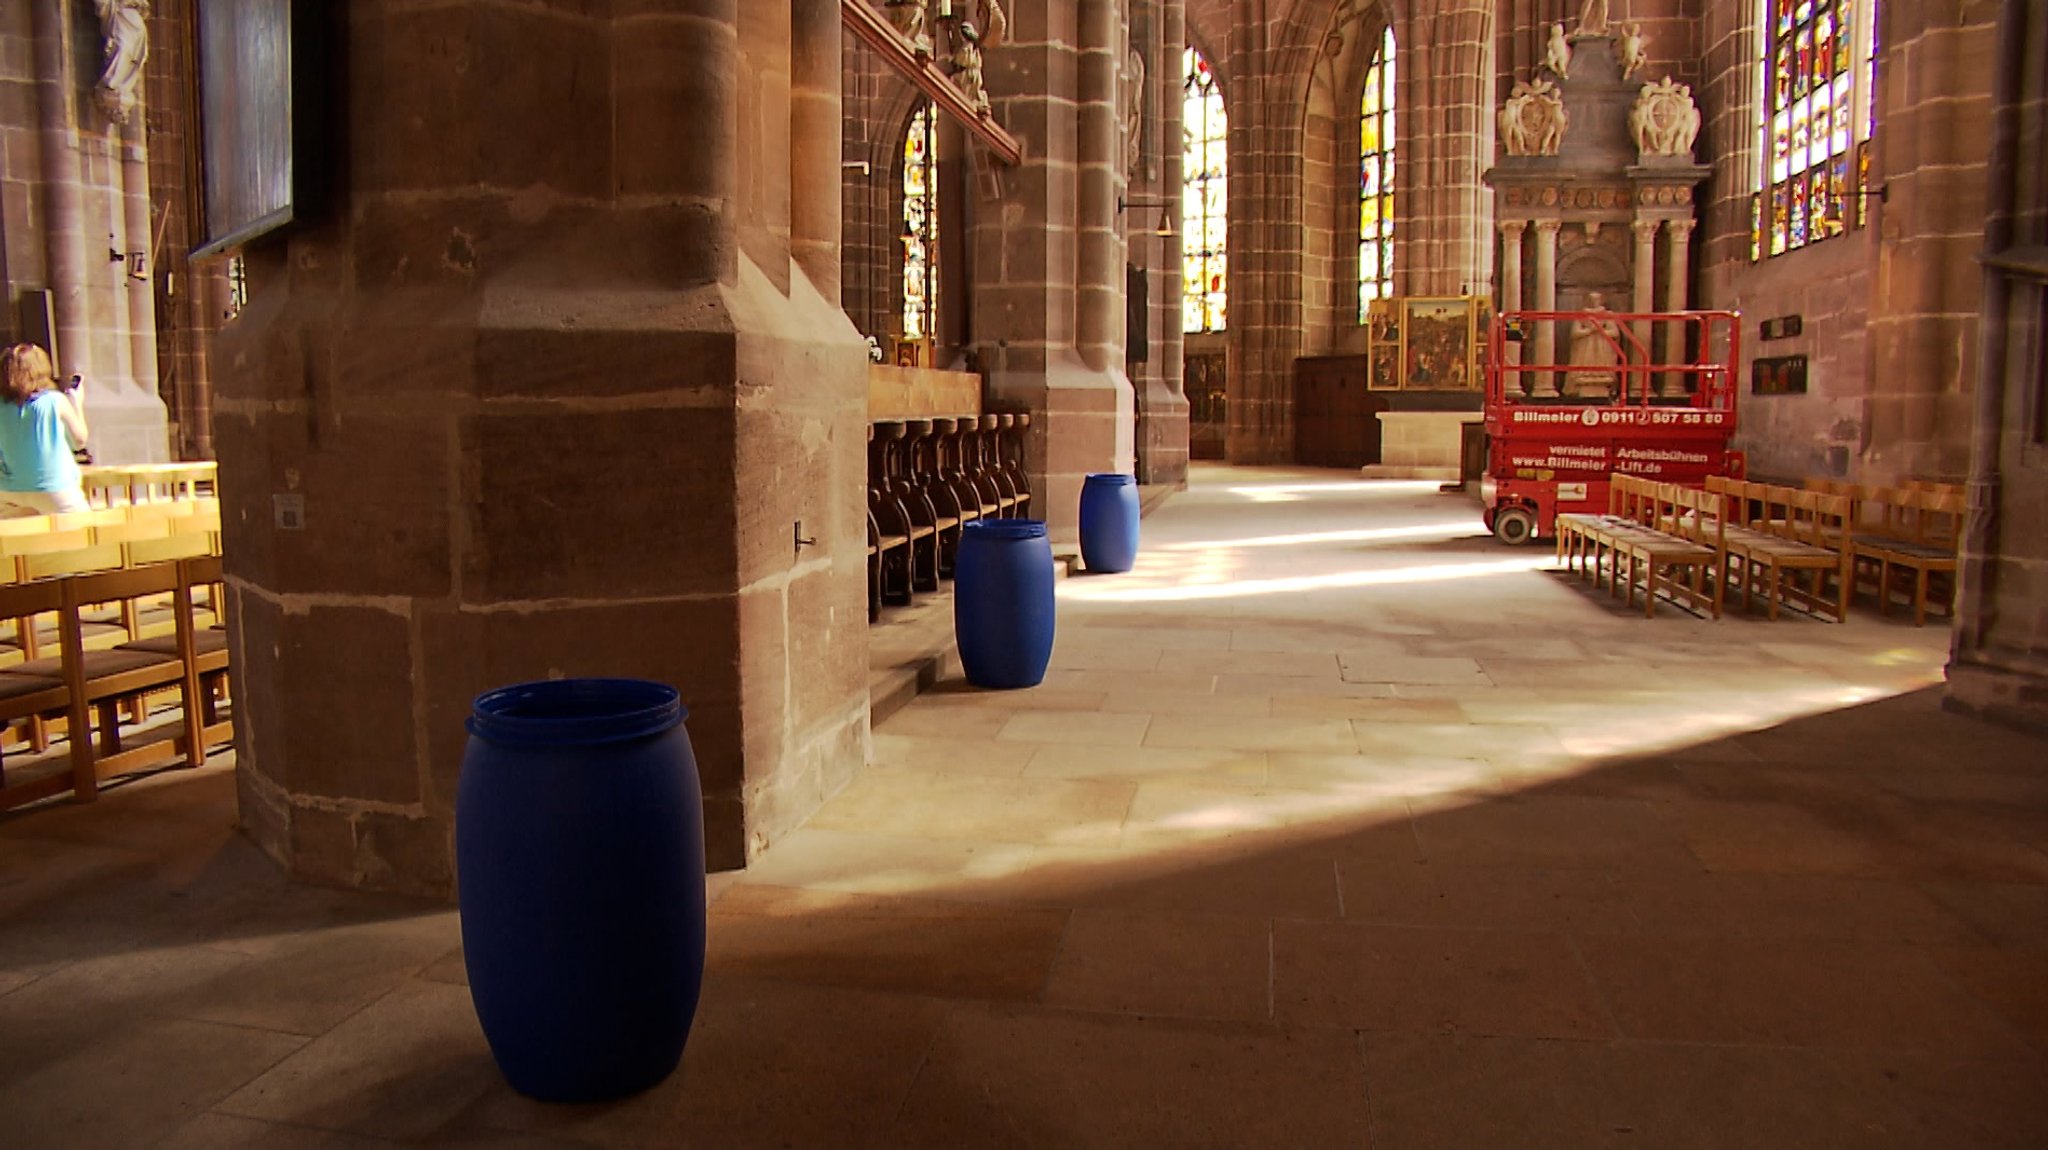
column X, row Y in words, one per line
column 1111, row 479
column 576, row 712
column 1007, row 528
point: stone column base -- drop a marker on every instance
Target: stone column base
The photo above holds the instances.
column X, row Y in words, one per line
column 2010, row 697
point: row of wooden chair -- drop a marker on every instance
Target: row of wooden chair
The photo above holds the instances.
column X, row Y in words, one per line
column 108, row 486
column 88, row 689
column 1912, row 532
column 928, row 478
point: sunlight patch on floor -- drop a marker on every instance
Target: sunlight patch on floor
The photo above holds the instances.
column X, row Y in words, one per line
column 1195, row 586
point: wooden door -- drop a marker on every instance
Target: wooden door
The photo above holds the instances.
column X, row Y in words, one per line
column 1336, row 420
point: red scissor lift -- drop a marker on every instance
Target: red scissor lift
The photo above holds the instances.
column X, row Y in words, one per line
column 1668, row 421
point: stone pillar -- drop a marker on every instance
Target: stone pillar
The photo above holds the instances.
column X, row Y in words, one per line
column 573, row 430
column 1645, row 280
column 1545, row 384
column 1047, row 325
column 1162, row 450
column 64, row 237
column 1511, row 286
column 1677, row 297
column 817, row 214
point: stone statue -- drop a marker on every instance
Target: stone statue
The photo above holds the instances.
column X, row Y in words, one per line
column 123, row 24
column 1632, row 50
column 967, row 68
column 1557, row 55
column 1133, row 110
column 1533, row 121
column 1596, row 344
column 1665, row 121
column 1593, row 19
column 911, row 18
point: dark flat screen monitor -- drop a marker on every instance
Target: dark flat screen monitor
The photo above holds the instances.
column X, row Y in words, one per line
column 249, row 118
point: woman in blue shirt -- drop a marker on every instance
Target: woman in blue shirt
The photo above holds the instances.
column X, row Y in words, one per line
column 40, row 428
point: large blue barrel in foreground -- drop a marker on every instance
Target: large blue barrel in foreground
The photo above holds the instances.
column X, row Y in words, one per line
column 579, row 838
column 1003, row 602
column 1109, row 522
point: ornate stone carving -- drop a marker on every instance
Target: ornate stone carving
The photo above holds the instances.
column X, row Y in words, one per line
column 127, row 48
column 1533, row 121
column 995, row 26
column 912, row 18
column 1665, row 121
column 1557, row 55
column 1634, row 49
column 1593, row 19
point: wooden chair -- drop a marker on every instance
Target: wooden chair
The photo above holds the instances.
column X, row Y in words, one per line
column 1929, row 528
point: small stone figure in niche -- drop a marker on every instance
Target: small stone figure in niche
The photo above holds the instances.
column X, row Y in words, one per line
column 1593, row 19
column 967, row 68
column 1633, row 50
column 1557, row 55
column 127, row 49
column 1133, row 110
column 910, row 18
column 1596, row 344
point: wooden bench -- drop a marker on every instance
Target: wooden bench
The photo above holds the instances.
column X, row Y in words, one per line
column 1789, row 545
column 1653, row 534
column 1917, row 533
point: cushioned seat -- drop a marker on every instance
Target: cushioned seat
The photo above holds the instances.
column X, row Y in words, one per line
column 211, row 641
column 14, row 685
column 97, row 664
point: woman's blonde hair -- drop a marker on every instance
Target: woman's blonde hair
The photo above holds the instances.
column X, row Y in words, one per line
column 25, row 372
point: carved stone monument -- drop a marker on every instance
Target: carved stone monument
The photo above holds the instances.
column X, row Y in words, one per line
column 123, row 23
column 1594, row 200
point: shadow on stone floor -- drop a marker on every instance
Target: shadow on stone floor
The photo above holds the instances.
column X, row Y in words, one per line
column 1831, row 932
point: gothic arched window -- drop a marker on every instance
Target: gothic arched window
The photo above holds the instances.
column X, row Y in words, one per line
column 920, row 225
column 1376, row 178
column 1205, row 218
column 1819, row 58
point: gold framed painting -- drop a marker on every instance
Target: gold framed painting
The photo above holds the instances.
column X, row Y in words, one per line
column 1438, row 344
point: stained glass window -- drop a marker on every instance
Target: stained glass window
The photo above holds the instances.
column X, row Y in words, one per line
column 1205, row 219
column 920, row 225
column 1376, row 179
column 1819, row 58
column 238, row 287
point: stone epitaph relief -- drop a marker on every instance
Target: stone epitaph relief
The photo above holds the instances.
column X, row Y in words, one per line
column 124, row 24
column 1133, row 110
column 1665, row 121
column 1557, row 54
column 1533, row 121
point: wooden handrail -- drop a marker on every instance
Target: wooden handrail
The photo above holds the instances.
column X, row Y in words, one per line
column 877, row 33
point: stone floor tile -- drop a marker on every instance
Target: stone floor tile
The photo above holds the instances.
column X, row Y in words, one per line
column 1408, row 893
column 1033, row 1078
column 1458, row 1092
column 1771, row 838
column 768, row 1065
column 1374, row 667
column 1285, row 664
column 311, row 986
column 1167, row 703
column 1171, row 814
column 1517, row 743
column 1176, row 682
column 1092, row 727
column 62, row 1014
column 1772, row 906
column 1170, row 965
column 956, row 723
column 1094, row 656
column 959, row 694
column 962, row 756
column 137, row 1079
column 1253, row 734
column 1214, row 878
column 1049, row 811
column 1429, row 980
column 2013, row 983
column 1957, row 1104
column 884, row 942
column 1565, row 831
column 1077, row 761
column 1369, row 709
column 399, row 1069
column 1382, row 774
column 227, row 1132
column 1308, row 686
column 1791, row 992
column 2006, row 914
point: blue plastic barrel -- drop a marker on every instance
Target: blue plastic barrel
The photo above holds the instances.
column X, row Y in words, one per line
column 579, row 843
column 1109, row 522
column 1002, row 602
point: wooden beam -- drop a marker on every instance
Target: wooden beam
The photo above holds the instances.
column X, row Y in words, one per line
column 876, row 32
